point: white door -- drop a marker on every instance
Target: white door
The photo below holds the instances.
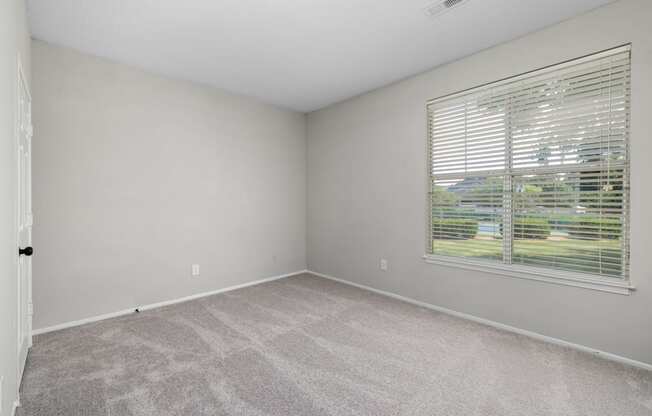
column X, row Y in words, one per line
column 24, row 138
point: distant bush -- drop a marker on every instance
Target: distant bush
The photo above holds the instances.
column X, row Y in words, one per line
column 530, row 228
column 595, row 227
column 454, row 228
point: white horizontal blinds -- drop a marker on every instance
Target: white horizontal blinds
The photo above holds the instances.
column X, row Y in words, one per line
column 576, row 115
column 465, row 213
column 544, row 156
column 467, row 159
column 570, row 221
column 468, row 134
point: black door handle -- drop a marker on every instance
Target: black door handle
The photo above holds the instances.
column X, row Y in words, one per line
column 27, row 251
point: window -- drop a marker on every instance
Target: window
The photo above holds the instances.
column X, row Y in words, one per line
column 531, row 173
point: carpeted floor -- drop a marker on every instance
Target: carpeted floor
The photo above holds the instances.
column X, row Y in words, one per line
column 309, row 346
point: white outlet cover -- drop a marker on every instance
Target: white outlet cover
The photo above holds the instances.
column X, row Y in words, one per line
column 195, row 269
column 383, row 264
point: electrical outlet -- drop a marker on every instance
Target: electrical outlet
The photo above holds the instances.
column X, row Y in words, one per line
column 383, row 265
column 195, row 269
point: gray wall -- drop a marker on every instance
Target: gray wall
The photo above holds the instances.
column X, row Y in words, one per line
column 14, row 42
column 136, row 177
column 367, row 181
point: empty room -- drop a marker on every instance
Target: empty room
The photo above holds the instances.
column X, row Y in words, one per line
column 325, row 207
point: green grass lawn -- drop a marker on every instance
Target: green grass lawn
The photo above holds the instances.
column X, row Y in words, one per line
column 596, row 257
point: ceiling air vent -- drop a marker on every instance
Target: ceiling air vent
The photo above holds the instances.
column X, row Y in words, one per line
column 441, row 6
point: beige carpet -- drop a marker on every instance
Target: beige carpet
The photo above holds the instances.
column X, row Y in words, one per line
column 309, row 346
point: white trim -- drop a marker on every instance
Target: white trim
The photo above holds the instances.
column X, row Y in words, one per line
column 15, row 407
column 621, row 287
column 81, row 321
column 498, row 325
column 160, row 304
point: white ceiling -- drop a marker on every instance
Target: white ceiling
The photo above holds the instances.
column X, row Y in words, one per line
column 303, row 55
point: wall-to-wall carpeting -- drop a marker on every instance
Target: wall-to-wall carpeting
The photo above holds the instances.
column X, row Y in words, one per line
column 309, row 346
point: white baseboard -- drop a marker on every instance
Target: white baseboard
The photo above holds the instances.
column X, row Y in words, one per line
column 535, row 335
column 159, row 304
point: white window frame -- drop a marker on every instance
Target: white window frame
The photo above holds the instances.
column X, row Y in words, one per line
column 562, row 277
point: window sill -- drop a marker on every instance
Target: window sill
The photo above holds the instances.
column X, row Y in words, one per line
column 534, row 273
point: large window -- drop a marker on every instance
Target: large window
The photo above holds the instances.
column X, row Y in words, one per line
column 531, row 173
